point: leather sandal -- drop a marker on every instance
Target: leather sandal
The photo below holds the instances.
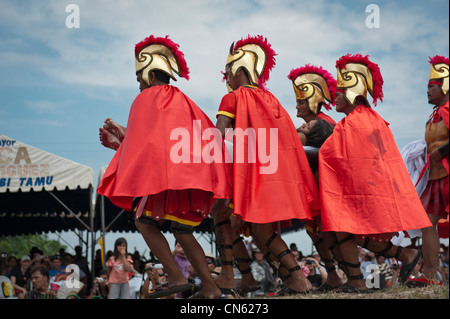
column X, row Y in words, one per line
column 406, row 270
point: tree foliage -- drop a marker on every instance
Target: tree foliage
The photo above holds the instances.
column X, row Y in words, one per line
column 21, row 245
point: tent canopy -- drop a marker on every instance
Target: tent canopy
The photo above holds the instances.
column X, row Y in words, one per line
column 41, row 192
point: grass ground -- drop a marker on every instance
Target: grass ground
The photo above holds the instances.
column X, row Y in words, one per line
column 430, row 292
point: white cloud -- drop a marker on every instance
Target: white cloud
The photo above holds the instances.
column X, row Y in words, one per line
column 100, row 53
column 43, row 106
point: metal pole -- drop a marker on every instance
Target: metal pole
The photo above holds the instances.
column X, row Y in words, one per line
column 102, row 212
column 70, row 211
column 91, row 211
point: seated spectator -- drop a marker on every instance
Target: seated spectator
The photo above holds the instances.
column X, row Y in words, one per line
column 317, row 274
column 40, row 261
column 100, row 289
column 57, row 266
column 20, row 276
column 195, row 279
column 385, row 272
column 81, row 261
column 262, row 273
column 154, row 275
column 40, row 279
column 12, row 263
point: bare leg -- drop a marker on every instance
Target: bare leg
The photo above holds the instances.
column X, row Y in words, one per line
column 160, row 248
column 196, row 256
column 406, row 255
column 224, row 238
column 242, row 258
column 321, row 244
column 278, row 248
column 430, row 247
column 350, row 260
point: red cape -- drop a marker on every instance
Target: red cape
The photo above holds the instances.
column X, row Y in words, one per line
column 290, row 192
column 364, row 184
column 444, row 113
column 143, row 164
column 325, row 117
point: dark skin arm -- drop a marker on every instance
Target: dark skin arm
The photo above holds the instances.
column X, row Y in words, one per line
column 223, row 122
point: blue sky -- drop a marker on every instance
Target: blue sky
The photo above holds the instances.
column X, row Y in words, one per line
column 57, row 85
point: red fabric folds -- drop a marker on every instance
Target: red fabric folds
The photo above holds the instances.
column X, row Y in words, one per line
column 327, row 118
column 364, row 184
column 289, row 192
column 144, row 163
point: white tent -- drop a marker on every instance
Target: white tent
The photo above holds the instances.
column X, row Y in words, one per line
column 42, row 192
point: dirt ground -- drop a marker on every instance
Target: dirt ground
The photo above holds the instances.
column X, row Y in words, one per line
column 431, row 292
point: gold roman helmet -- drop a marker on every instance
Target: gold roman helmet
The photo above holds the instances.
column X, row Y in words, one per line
column 250, row 57
column 439, row 72
column 254, row 55
column 162, row 54
column 357, row 75
column 315, row 85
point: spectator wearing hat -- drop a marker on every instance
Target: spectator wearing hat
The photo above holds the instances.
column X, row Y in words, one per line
column 20, row 276
column 262, row 273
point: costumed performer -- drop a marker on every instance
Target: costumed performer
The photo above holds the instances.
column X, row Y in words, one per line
column 366, row 193
column 315, row 87
column 270, row 188
column 435, row 197
column 147, row 174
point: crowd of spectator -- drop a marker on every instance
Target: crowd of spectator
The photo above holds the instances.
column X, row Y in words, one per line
column 37, row 276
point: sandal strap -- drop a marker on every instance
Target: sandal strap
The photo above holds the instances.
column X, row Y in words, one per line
column 388, row 247
column 333, row 245
column 356, row 277
column 331, row 268
column 221, row 246
column 326, row 260
column 318, row 242
column 345, row 239
column 295, row 268
column 243, row 260
column 222, row 223
column 290, row 271
column 269, row 241
column 340, row 242
column 283, row 253
column 346, row 263
column 385, row 250
column 227, row 262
